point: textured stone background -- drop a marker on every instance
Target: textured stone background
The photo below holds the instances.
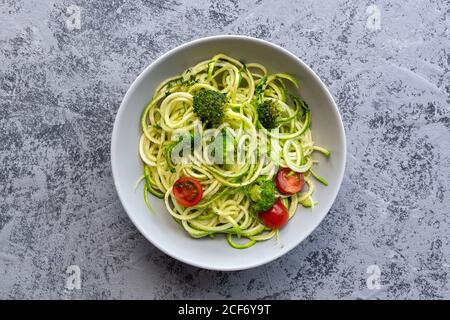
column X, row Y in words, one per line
column 60, row 90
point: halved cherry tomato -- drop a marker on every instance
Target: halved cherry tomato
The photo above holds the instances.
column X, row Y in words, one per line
column 187, row 191
column 275, row 217
column 289, row 182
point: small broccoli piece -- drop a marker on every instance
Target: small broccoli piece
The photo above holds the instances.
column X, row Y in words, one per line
column 262, row 193
column 268, row 113
column 209, row 107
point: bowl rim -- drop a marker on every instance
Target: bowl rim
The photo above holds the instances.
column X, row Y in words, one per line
column 120, row 114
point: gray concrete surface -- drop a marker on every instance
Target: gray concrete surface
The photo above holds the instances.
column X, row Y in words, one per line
column 60, row 87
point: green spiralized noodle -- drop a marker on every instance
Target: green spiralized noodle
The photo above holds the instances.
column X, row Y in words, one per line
column 226, row 207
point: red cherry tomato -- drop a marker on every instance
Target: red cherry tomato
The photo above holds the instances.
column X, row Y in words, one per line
column 289, row 182
column 276, row 217
column 187, row 191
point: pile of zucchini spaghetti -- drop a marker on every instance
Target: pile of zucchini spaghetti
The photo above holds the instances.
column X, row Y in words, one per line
column 228, row 147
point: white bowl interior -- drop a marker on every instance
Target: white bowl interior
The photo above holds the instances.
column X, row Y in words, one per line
column 160, row 228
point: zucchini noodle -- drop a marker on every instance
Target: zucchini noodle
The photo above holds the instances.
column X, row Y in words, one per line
column 226, row 207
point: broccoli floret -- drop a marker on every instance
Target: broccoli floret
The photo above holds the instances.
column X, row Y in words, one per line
column 262, row 193
column 209, row 107
column 268, row 113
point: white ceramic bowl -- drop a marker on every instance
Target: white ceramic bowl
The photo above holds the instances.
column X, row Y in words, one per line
column 159, row 228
